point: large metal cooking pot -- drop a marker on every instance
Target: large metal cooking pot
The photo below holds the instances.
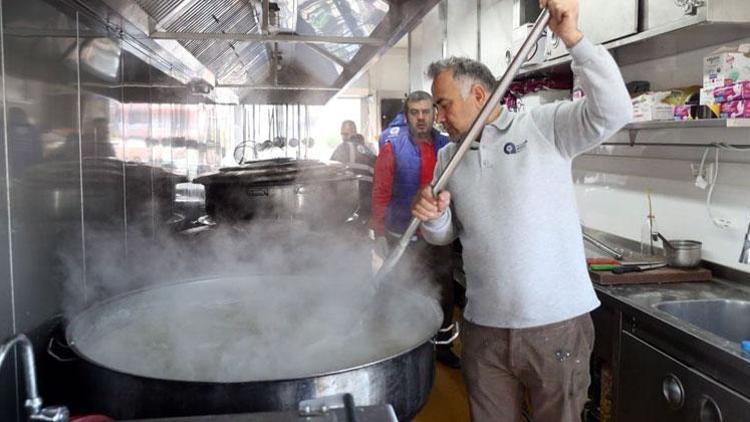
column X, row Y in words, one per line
column 132, row 365
column 322, row 194
column 55, row 192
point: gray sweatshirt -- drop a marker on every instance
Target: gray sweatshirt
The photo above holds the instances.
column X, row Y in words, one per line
column 513, row 202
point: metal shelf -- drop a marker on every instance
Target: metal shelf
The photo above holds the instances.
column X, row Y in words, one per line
column 721, row 133
column 689, row 124
column 655, row 43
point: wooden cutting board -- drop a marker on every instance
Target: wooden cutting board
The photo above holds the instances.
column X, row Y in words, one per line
column 659, row 275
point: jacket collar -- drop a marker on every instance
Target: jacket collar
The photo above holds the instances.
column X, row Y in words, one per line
column 503, row 122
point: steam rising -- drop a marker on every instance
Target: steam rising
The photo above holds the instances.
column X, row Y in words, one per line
column 272, row 302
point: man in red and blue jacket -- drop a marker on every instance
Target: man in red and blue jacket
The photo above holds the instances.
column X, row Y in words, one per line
column 405, row 165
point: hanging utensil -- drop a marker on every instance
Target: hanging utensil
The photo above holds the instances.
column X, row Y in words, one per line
column 476, row 128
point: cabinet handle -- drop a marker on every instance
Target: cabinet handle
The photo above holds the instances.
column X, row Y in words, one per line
column 673, row 392
column 690, row 6
column 257, row 192
column 710, row 411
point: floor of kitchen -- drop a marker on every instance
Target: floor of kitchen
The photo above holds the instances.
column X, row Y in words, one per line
column 448, row 401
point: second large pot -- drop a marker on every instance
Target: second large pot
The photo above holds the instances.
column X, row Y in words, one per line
column 321, row 194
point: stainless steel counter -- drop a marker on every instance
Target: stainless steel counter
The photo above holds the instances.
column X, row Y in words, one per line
column 698, row 348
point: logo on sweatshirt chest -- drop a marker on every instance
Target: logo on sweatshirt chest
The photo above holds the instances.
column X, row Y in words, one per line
column 511, row 148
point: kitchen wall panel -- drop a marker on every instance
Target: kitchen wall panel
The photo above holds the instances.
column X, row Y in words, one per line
column 43, row 147
column 612, row 181
column 496, row 19
column 425, row 46
column 96, row 139
column 43, row 181
column 8, row 397
column 102, row 152
column 463, row 35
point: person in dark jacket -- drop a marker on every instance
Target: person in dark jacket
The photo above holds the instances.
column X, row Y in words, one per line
column 405, row 164
column 359, row 159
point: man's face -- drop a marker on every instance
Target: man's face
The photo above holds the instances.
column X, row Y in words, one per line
column 347, row 130
column 453, row 111
column 420, row 115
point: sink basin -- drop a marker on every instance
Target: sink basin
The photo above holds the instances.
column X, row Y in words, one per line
column 729, row 319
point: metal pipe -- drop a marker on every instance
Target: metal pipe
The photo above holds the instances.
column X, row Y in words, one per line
column 256, row 87
column 327, row 54
column 601, row 245
column 476, row 128
column 745, row 254
column 281, row 37
column 264, row 17
column 33, row 402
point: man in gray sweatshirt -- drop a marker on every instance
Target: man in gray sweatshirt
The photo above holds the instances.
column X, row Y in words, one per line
column 512, row 202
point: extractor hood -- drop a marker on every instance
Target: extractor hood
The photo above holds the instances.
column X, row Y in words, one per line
column 267, row 52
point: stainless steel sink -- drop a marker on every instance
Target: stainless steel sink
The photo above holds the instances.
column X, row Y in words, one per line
column 726, row 318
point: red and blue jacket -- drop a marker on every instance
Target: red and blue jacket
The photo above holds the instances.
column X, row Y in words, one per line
column 403, row 167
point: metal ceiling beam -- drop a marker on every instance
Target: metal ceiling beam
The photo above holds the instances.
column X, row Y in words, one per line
column 255, row 87
column 264, row 17
column 327, row 54
column 288, row 38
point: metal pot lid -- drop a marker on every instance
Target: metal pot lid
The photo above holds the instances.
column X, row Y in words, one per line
column 279, row 172
column 261, row 164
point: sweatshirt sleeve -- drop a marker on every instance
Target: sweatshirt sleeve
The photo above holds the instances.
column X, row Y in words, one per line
column 441, row 231
column 578, row 126
column 382, row 189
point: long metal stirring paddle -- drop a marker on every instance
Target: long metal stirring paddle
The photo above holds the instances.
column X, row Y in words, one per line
column 476, row 128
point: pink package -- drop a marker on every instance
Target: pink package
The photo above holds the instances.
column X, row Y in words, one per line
column 734, row 92
column 735, row 109
column 682, row 112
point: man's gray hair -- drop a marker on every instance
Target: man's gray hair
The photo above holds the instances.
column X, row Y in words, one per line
column 466, row 71
column 416, row 96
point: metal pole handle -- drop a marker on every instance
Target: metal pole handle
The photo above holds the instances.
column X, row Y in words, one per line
column 476, row 128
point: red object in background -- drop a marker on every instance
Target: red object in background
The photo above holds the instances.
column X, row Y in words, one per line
column 602, row 261
column 91, row 418
column 519, row 88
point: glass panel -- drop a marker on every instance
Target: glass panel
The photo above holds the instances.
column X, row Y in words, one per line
column 341, row 18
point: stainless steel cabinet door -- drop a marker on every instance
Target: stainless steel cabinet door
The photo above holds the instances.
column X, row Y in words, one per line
column 658, row 13
column 603, row 21
column 654, row 387
column 463, row 35
column 496, row 31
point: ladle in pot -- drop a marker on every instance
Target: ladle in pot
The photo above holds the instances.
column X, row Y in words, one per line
column 657, row 236
column 476, row 128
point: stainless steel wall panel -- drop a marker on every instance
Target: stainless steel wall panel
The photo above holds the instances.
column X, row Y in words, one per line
column 8, row 393
column 463, row 39
column 43, row 151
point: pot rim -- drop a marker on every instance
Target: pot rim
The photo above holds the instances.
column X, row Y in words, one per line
column 683, row 244
column 71, row 323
